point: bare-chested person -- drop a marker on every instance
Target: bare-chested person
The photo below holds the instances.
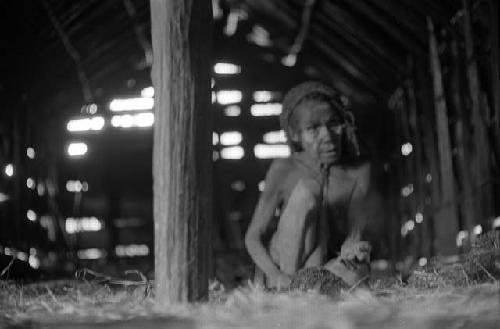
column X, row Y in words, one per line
column 318, row 191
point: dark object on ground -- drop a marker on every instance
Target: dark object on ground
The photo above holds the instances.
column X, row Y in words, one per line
column 320, row 279
column 480, row 265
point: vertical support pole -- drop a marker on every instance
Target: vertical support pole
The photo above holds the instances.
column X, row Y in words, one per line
column 418, row 167
column 182, row 159
column 462, row 143
column 495, row 71
column 446, row 223
column 432, row 196
column 481, row 164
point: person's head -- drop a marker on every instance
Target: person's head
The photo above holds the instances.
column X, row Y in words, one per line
column 316, row 122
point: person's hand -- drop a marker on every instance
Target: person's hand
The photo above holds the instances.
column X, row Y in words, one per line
column 352, row 272
column 354, row 250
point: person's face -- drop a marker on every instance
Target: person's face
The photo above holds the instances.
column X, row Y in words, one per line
column 318, row 129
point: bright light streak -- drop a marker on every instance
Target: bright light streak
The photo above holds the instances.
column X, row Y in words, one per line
column 131, row 104
column 148, row 92
column 264, row 96
column 422, row 262
column 407, row 190
column 275, row 137
column 496, row 222
column 144, row 119
column 4, row 197
column 230, row 138
column 86, row 124
column 232, row 153
column 406, row 149
column 226, row 97
column 419, row 217
column 215, row 138
column 9, row 170
column 77, row 149
column 91, row 253
column 411, row 225
column 407, row 227
column 461, row 236
column 89, row 108
column 22, row 256
column 30, row 152
column 31, row 215
column 140, row 120
column 84, row 224
column 260, row 36
column 34, row 261
column 40, row 189
column 217, row 10
column 289, row 60
column 264, row 151
column 478, row 229
column 231, row 23
column 76, row 186
column 132, row 250
column 232, row 111
column 261, row 110
column 30, row 183
column 227, row 68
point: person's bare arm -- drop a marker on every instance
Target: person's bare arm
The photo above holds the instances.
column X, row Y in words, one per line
column 261, row 220
column 355, row 245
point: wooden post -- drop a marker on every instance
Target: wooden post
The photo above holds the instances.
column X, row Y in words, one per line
column 446, row 223
column 182, row 159
column 481, row 163
column 419, row 175
column 462, row 138
column 495, row 71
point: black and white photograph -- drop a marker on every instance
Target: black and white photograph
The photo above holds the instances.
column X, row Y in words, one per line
column 250, row 164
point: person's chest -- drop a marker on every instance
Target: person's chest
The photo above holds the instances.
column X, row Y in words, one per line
column 333, row 190
column 339, row 187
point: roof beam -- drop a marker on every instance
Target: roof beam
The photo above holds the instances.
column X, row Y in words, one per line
column 352, row 45
column 349, row 26
column 404, row 16
column 409, row 42
column 345, row 52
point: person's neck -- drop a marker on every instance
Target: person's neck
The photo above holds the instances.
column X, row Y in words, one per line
column 314, row 163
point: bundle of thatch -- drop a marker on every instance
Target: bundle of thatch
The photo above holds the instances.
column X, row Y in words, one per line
column 318, row 279
column 481, row 264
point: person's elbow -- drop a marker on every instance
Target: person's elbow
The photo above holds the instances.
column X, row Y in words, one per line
column 252, row 239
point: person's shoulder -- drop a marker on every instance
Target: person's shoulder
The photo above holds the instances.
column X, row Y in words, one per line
column 358, row 169
column 282, row 166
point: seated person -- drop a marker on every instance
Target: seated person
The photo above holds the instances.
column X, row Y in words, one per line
column 318, row 192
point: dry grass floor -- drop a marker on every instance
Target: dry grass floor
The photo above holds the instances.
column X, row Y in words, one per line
column 77, row 304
